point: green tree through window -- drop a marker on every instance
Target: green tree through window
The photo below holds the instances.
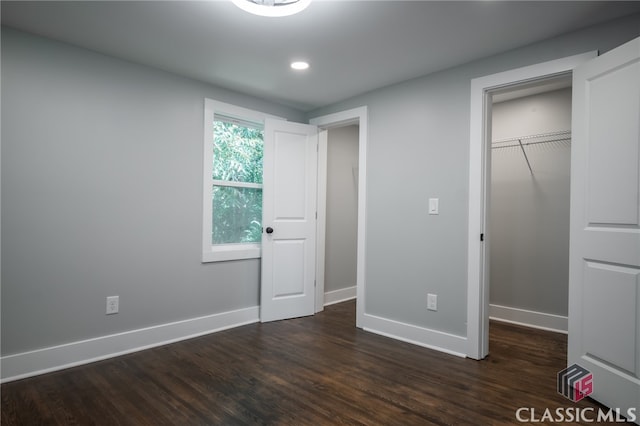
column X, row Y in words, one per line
column 237, row 182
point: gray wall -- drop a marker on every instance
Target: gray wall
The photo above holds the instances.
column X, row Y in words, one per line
column 418, row 147
column 530, row 213
column 102, row 195
column 342, row 208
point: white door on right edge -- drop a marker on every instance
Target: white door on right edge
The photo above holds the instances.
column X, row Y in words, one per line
column 604, row 272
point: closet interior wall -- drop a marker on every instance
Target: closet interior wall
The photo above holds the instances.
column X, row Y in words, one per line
column 529, row 210
column 342, row 209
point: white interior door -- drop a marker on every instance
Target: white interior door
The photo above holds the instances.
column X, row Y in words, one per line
column 604, row 289
column 289, row 220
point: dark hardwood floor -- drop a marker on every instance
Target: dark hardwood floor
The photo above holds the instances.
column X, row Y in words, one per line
column 318, row 370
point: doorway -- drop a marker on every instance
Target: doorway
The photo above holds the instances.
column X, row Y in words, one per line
column 478, row 257
column 355, row 116
column 529, row 204
column 341, row 223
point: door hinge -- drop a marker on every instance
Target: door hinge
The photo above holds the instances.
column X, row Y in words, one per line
column 481, row 237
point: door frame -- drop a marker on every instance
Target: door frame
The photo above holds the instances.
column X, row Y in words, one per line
column 339, row 119
column 479, row 185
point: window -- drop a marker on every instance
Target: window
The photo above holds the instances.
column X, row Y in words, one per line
column 237, row 181
column 232, row 195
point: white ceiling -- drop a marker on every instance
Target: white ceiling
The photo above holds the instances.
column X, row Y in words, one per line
column 353, row 46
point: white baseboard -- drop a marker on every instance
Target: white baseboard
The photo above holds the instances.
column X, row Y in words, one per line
column 540, row 320
column 431, row 339
column 54, row 358
column 341, row 295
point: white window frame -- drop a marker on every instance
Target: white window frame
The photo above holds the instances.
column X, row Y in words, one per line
column 222, row 252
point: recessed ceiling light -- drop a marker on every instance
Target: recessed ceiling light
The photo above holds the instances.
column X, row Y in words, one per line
column 272, row 8
column 299, row 65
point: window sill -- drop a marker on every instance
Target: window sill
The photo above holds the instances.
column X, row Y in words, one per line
column 228, row 252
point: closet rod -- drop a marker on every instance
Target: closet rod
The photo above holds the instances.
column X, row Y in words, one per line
column 531, row 139
column 518, row 142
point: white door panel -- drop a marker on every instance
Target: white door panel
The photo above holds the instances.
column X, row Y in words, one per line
column 289, row 220
column 613, row 112
column 604, row 283
column 289, row 176
column 288, row 272
column 611, row 337
column 614, row 245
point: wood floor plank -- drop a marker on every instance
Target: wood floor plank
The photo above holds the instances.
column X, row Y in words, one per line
column 319, row 370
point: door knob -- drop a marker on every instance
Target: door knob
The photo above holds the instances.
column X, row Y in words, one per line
column 269, row 230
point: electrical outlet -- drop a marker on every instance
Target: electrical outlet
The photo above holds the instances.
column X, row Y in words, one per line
column 113, row 304
column 432, row 302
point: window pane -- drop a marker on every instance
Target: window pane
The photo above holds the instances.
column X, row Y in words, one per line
column 237, row 152
column 237, row 215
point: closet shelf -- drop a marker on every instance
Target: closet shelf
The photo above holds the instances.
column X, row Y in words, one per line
column 562, row 136
column 523, row 141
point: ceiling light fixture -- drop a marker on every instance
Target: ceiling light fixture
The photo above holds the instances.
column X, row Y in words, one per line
column 272, row 8
column 300, row 65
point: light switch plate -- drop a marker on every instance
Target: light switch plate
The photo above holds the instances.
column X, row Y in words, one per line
column 434, row 206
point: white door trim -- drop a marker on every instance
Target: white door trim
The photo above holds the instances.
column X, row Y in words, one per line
column 338, row 119
column 477, row 287
column 321, row 223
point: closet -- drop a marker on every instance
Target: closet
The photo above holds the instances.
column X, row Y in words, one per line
column 529, row 208
column 341, row 214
